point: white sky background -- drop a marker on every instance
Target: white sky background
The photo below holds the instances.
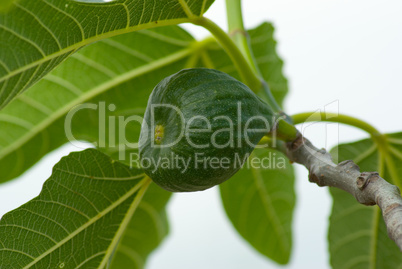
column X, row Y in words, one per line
column 347, row 52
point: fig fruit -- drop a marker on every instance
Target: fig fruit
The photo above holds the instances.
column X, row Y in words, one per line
column 199, row 127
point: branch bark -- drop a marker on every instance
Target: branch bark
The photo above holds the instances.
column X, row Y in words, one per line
column 367, row 187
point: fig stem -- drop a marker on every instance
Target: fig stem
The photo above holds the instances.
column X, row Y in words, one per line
column 238, row 33
column 247, row 74
column 339, row 118
column 241, row 38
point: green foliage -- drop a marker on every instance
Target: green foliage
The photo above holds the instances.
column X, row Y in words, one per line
column 144, row 233
column 39, row 44
column 260, row 203
column 119, row 71
column 357, row 234
column 208, row 102
column 88, row 201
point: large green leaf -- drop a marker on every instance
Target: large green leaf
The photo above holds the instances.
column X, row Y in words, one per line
column 145, row 232
column 38, row 35
column 259, row 201
column 357, row 234
column 78, row 218
column 119, row 71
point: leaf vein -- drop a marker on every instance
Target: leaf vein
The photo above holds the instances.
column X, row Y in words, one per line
column 45, row 217
column 95, row 65
column 128, row 50
column 270, row 209
column 35, row 104
column 69, row 16
column 16, row 121
column 186, row 9
column 63, row 83
column 30, row 230
column 89, row 259
column 100, row 178
column 33, row 44
column 41, row 23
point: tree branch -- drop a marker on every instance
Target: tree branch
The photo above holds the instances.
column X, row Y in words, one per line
column 367, row 187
